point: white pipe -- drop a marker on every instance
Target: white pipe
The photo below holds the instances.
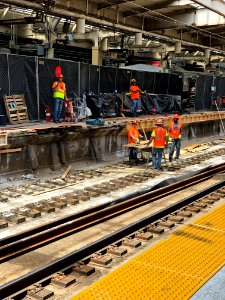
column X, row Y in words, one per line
column 104, row 44
column 80, row 29
column 62, row 12
column 178, row 47
column 138, row 39
column 207, row 53
column 88, row 36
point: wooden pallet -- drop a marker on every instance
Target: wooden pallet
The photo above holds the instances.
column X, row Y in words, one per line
column 16, row 109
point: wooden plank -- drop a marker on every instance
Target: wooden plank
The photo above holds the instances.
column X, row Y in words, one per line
column 66, row 172
column 10, row 150
column 199, row 149
column 191, row 147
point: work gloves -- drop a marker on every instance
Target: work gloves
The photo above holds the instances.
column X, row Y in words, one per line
column 171, row 139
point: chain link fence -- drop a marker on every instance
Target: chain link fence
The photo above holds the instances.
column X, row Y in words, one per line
column 33, row 77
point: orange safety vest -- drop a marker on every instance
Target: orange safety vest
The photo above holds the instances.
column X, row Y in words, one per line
column 174, row 132
column 133, row 134
column 60, row 89
column 160, row 134
column 135, row 92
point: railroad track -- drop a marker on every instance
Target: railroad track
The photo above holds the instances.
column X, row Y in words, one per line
column 151, row 224
column 39, row 236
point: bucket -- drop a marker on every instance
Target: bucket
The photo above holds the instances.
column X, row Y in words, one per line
column 3, row 120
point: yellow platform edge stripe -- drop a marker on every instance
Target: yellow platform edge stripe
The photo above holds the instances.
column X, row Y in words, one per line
column 174, row 268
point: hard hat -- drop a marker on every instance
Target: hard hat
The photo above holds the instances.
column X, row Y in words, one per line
column 134, row 122
column 61, row 76
column 133, row 80
column 176, row 116
column 159, row 122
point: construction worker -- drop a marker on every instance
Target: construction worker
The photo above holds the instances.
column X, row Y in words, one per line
column 159, row 137
column 174, row 137
column 133, row 137
column 59, row 94
column 135, row 97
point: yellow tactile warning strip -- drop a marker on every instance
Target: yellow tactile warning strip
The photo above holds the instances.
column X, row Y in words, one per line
column 174, row 268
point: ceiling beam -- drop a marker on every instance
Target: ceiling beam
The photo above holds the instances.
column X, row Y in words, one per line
column 92, row 19
column 217, row 6
column 198, row 18
column 141, row 10
column 161, row 5
column 112, row 3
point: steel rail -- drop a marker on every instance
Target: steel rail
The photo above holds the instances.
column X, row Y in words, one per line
column 40, row 274
column 55, row 232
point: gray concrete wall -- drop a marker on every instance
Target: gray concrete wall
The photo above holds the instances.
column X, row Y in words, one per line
column 54, row 150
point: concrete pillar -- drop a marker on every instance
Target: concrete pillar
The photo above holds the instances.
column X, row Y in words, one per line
column 80, row 29
column 207, row 53
column 62, row 153
column 33, row 157
column 178, row 47
column 138, row 38
column 95, row 56
column 55, row 156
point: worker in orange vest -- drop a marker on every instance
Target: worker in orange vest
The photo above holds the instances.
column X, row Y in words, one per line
column 159, row 137
column 174, row 137
column 135, row 97
column 59, row 94
column 133, row 137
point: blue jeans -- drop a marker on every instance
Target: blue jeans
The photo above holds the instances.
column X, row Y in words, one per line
column 135, row 106
column 133, row 154
column 157, row 157
column 175, row 144
column 58, row 105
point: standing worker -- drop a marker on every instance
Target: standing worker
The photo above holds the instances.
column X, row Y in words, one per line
column 174, row 137
column 133, row 137
column 135, row 97
column 159, row 137
column 59, row 94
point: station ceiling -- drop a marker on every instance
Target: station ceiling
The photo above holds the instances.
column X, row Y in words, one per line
column 200, row 22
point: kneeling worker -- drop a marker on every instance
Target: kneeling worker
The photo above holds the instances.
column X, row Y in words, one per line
column 160, row 141
column 133, row 137
column 174, row 137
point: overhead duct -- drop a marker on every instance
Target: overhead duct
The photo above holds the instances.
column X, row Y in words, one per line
column 80, row 29
column 207, row 53
column 95, row 20
column 104, row 44
column 178, row 47
column 138, row 38
column 91, row 36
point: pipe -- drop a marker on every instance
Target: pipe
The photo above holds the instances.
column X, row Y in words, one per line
column 80, row 29
column 64, row 13
column 138, row 39
column 90, row 36
column 104, row 44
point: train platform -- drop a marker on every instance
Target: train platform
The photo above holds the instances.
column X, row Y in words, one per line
column 174, row 268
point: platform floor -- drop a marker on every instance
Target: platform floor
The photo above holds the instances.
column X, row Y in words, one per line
column 174, row 268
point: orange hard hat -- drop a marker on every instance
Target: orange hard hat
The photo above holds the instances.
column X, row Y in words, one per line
column 159, row 122
column 134, row 122
column 176, row 116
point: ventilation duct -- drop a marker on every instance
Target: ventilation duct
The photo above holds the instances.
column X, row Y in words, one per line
column 104, row 44
column 207, row 53
column 80, row 29
column 138, row 39
column 178, row 47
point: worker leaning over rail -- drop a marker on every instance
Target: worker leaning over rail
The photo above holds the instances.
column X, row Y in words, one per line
column 133, row 138
column 59, row 94
column 174, row 137
column 159, row 137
